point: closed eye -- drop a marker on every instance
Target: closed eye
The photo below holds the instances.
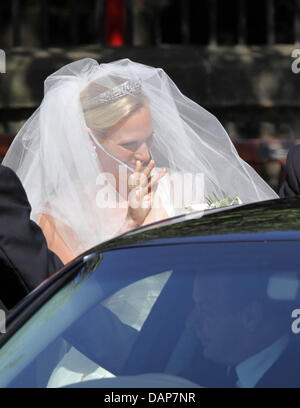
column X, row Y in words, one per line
column 130, row 145
column 136, row 145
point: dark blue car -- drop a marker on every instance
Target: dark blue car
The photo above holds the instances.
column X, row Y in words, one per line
column 207, row 300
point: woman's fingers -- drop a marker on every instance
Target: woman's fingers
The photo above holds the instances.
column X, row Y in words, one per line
column 138, row 166
column 141, row 197
column 133, row 181
column 144, row 176
column 149, row 168
column 155, row 179
column 134, row 178
column 142, row 181
column 152, row 183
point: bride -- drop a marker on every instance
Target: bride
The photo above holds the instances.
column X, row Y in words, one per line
column 115, row 146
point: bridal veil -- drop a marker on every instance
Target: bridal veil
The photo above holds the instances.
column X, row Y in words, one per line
column 52, row 155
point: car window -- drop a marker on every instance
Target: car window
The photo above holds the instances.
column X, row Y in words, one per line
column 194, row 313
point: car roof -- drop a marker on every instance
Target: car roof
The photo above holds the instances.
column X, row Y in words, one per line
column 277, row 219
column 272, row 217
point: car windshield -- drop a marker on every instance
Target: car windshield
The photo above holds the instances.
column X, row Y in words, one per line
column 173, row 315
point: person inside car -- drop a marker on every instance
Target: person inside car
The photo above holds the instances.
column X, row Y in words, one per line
column 244, row 332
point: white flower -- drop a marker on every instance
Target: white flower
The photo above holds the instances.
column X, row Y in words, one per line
column 196, row 207
column 224, row 202
column 236, row 200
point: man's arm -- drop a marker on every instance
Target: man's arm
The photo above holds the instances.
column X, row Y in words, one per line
column 291, row 184
column 22, row 243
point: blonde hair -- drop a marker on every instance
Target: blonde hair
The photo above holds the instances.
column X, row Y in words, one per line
column 102, row 117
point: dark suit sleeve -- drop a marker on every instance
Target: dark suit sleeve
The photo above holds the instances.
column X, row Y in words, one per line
column 23, row 247
column 291, row 184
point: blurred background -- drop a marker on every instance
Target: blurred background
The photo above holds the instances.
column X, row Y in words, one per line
column 233, row 57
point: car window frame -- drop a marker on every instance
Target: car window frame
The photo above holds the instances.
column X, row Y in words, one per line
column 61, row 280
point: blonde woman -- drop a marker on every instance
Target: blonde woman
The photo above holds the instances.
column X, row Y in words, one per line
column 112, row 147
column 121, row 134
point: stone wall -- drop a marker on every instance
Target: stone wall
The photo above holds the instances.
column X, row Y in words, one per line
column 252, row 90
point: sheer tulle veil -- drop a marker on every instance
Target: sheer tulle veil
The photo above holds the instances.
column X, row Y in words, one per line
column 54, row 160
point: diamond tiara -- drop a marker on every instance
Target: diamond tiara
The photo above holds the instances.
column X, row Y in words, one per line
column 126, row 88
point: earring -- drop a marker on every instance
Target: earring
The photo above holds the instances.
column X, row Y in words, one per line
column 94, row 153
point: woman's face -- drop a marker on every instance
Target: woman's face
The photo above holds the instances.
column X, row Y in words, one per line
column 129, row 141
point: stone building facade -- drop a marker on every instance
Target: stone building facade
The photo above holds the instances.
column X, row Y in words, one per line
column 238, row 59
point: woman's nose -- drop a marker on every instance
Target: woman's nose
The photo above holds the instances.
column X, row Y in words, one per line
column 143, row 154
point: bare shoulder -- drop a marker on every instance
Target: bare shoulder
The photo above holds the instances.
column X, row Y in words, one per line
column 57, row 234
